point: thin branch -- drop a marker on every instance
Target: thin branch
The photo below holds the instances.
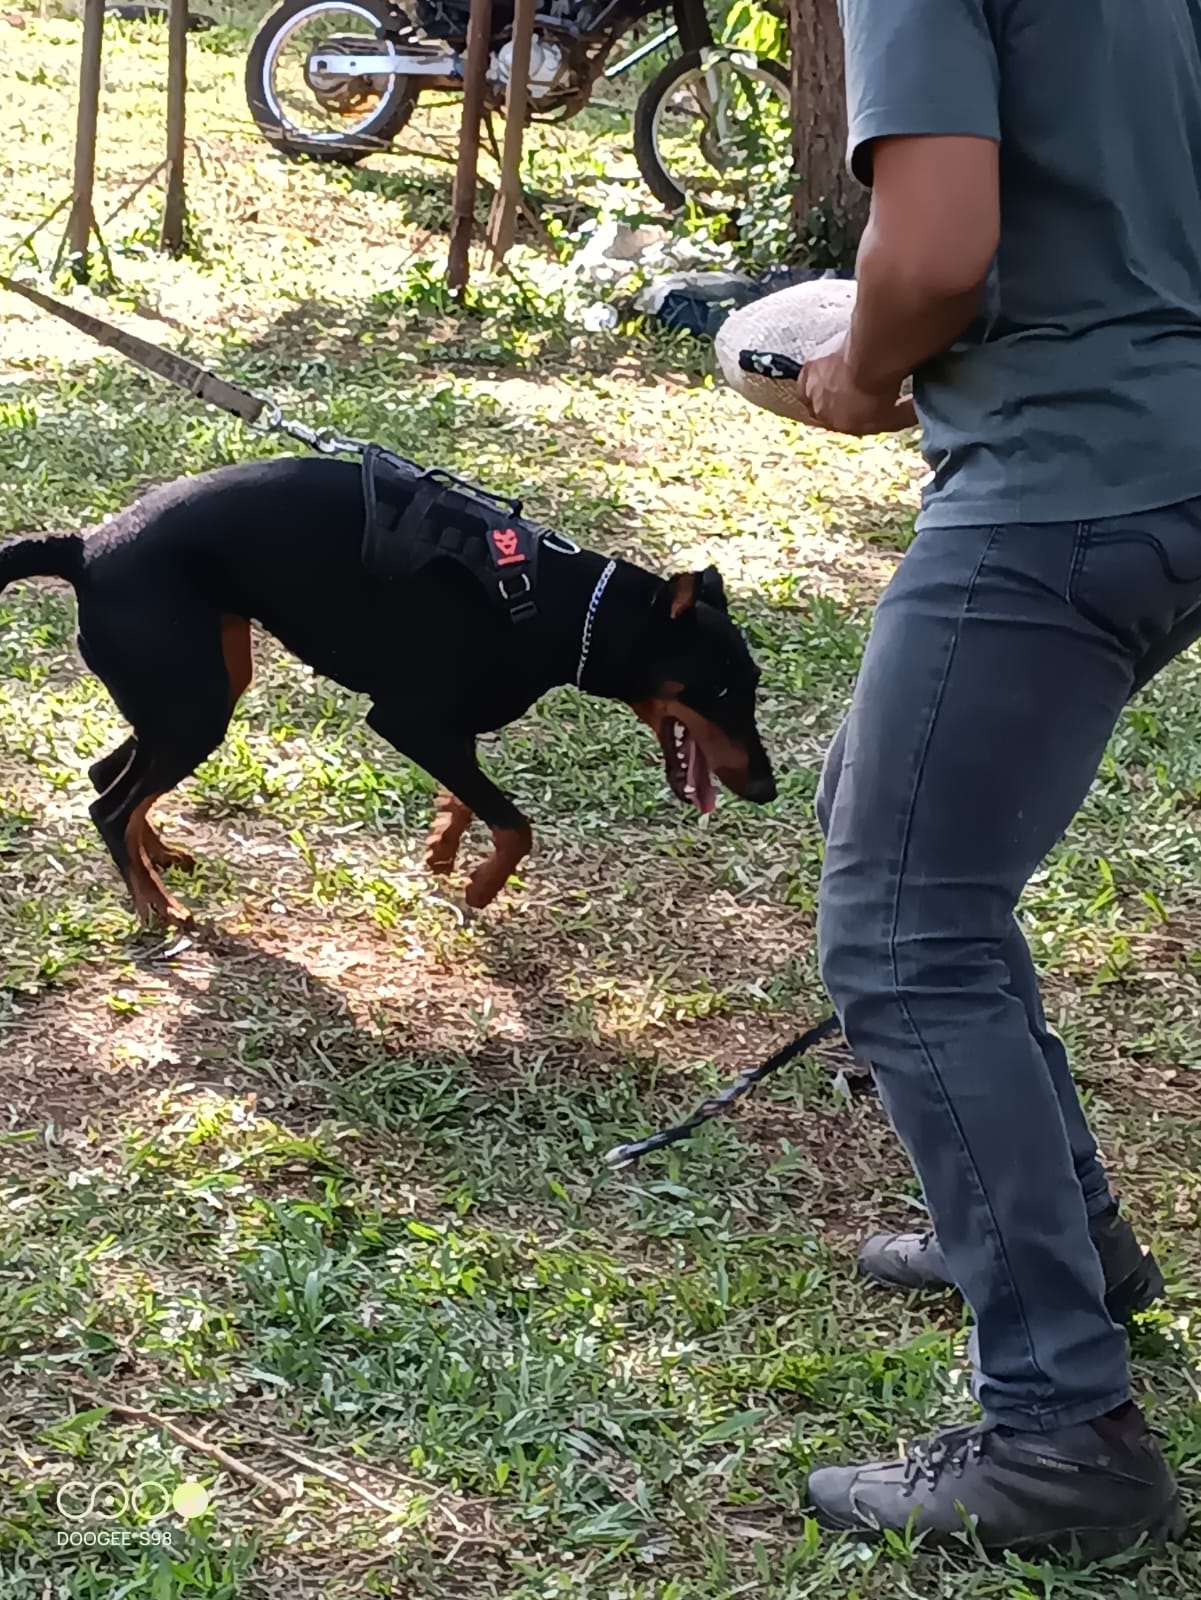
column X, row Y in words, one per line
column 192, row 1441
column 134, row 193
column 15, row 253
column 333, row 1474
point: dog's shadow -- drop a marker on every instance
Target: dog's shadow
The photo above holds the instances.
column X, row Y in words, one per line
column 484, row 1066
column 221, row 1026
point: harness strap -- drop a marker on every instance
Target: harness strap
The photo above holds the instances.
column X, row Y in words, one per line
column 435, row 514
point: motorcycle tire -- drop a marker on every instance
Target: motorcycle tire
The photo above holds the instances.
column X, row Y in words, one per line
column 646, row 113
column 394, row 109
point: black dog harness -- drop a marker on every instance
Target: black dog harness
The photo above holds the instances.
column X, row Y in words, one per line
column 413, row 517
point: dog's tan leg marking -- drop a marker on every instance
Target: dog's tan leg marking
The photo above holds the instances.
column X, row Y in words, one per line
column 510, row 848
column 451, row 821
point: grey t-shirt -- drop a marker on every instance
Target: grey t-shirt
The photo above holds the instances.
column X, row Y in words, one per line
column 1077, row 393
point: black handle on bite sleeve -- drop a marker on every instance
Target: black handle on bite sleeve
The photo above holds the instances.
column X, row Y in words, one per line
column 766, row 365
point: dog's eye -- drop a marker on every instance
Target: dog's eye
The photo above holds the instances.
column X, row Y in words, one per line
column 722, row 693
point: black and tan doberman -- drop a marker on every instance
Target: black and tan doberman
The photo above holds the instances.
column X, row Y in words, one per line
column 167, row 591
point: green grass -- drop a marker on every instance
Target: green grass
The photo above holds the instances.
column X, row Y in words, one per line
column 326, row 1187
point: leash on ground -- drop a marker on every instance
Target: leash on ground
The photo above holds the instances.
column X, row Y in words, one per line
column 259, row 412
column 262, row 415
column 625, row 1155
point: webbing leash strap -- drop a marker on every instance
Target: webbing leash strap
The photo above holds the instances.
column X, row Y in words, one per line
column 255, row 410
column 187, row 375
column 625, row 1155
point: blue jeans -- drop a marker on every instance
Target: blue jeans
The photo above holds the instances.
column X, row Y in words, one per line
column 998, row 663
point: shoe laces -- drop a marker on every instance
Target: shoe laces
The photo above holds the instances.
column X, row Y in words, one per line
column 927, row 1459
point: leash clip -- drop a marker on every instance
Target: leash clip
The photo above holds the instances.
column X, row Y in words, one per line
column 270, row 419
column 332, row 443
column 327, row 441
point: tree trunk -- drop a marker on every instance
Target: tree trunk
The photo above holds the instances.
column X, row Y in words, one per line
column 171, row 238
column 82, row 220
column 467, row 180
column 829, row 207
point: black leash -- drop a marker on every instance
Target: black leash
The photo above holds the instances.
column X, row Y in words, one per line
column 625, row 1155
column 445, row 513
column 188, row 375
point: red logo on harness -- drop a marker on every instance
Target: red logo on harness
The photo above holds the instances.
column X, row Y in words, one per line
column 507, row 547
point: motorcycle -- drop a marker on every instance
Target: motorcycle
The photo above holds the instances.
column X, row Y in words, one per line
column 337, row 80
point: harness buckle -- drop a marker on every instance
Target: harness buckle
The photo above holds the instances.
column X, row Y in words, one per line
column 520, row 609
column 521, row 579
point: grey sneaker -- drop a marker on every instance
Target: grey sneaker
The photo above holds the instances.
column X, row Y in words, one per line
column 914, row 1261
column 1093, row 1490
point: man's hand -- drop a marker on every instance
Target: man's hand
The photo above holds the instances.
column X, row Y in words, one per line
column 833, row 400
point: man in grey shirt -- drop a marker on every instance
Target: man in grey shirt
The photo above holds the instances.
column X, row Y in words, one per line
column 1033, row 257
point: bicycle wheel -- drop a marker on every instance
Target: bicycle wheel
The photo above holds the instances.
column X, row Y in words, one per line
column 705, row 122
column 303, row 110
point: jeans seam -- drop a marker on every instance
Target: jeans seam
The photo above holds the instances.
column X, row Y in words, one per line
column 892, row 950
column 1083, row 530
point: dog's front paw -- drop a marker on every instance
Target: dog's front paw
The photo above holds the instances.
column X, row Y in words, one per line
column 486, row 882
column 441, row 854
column 162, row 913
column 490, row 877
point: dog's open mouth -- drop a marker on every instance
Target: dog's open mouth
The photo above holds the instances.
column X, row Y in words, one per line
column 687, row 770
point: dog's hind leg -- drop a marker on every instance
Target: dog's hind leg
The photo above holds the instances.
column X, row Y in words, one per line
column 239, row 667
column 120, row 816
column 452, row 762
column 121, row 813
column 173, row 688
column 104, row 773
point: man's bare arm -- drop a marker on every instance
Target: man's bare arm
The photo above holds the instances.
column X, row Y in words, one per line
column 933, row 232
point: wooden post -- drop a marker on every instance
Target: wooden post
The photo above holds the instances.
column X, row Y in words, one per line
column 171, row 240
column 82, row 221
column 502, row 224
column 475, row 69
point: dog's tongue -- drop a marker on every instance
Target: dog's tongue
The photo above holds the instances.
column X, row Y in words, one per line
column 697, row 780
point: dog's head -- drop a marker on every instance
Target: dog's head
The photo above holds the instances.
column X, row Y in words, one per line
column 701, row 700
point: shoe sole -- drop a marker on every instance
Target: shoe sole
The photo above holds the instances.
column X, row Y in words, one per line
column 934, row 1286
column 1088, row 1546
column 1102, row 1544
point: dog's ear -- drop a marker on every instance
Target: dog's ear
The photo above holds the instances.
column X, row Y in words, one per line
column 713, row 590
column 688, row 589
column 683, row 592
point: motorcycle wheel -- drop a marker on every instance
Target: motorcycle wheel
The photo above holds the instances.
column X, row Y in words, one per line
column 327, row 119
column 698, row 162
